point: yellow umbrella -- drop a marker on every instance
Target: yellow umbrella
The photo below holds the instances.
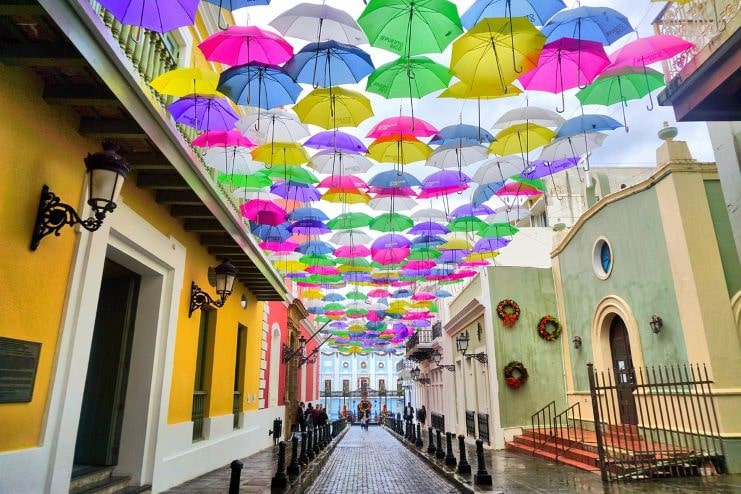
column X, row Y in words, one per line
column 404, row 151
column 333, row 107
column 185, row 81
column 290, row 266
column 456, row 244
column 461, row 90
column 349, row 268
column 520, row 139
column 346, row 196
column 312, row 293
column 496, row 51
column 280, row 153
column 481, row 256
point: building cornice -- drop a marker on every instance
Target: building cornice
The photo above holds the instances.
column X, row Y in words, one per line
column 468, row 314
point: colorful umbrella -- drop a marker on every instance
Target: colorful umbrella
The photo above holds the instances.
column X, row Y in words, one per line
column 456, row 155
column 540, row 168
column 400, row 126
column 335, row 140
column 339, row 162
column 184, row 81
column 307, row 213
column 272, row 126
column 648, row 50
column 204, row 113
column 280, row 153
column 333, row 107
column 538, row 11
column 348, row 221
column 296, row 191
column 389, row 202
column 529, row 115
column 155, row 15
column 215, row 138
column 260, row 85
column 520, row 138
column 329, row 63
column 391, row 222
column 350, row 237
column 392, row 179
column 600, row 24
column 402, row 151
column 263, row 212
column 343, row 182
column 291, row 172
column 238, row 45
column 461, row 133
column 497, row 230
column 586, row 123
column 313, row 22
column 346, row 196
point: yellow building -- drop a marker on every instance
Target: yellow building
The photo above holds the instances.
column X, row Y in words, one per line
column 103, row 364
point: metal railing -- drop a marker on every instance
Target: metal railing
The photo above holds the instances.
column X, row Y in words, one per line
column 697, row 21
column 470, row 423
column 372, row 393
column 568, row 429
column 437, row 330
column 483, row 422
column 236, row 408
column 198, row 414
column 672, row 424
column 438, row 421
column 541, row 423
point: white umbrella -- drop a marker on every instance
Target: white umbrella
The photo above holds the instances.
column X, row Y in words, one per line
column 447, row 156
column 504, row 214
column 248, row 193
column 429, row 214
column 568, row 147
column 498, row 169
column 233, row 159
column 350, row 237
column 385, row 203
column 529, row 114
column 340, row 162
column 272, row 126
column 313, row 22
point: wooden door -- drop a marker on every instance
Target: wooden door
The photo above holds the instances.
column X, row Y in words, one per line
column 622, row 363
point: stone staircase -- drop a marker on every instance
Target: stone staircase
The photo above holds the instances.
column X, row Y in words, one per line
column 547, row 446
column 100, row 480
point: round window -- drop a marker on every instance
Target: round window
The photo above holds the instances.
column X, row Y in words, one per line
column 602, row 258
column 363, row 365
column 380, row 365
column 345, row 364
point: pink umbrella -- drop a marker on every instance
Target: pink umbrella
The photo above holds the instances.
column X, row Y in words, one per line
column 474, row 264
column 395, row 126
column 388, row 192
column 286, row 246
column 263, row 212
column 343, row 182
column 352, row 251
column 416, row 265
column 517, row 189
column 238, row 45
column 215, row 138
column 442, row 191
column 645, row 51
column 564, row 64
column 402, row 283
column 323, row 270
column 423, row 296
column 391, row 256
column 379, row 293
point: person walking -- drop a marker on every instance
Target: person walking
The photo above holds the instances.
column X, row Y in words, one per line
column 409, row 412
column 309, row 415
column 300, row 417
column 422, row 415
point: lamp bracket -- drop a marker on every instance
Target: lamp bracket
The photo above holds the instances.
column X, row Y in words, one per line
column 449, row 367
column 287, row 354
column 199, row 298
column 53, row 214
column 481, row 357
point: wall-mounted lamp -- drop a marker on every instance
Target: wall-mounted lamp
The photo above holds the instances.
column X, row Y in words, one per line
column 106, row 172
column 461, row 343
column 577, row 342
column 243, row 302
column 415, row 373
column 226, row 273
column 437, row 357
column 656, row 324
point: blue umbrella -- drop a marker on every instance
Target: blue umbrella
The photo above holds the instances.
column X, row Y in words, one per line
column 462, row 134
column 234, row 5
column 428, row 241
column 268, row 233
column 402, row 293
column 587, row 123
column 484, row 192
column 392, row 179
column 308, row 227
column 204, row 113
column 315, row 247
column 471, row 210
column 329, row 63
column 601, row 24
column 538, row 11
column 333, row 297
column 442, row 270
column 307, row 214
column 440, row 293
column 316, row 310
column 260, row 85
column 542, row 168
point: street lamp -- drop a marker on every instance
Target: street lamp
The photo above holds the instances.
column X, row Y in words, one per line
column 437, row 357
column 656, row 324
column 415, row 373
column 461, row 343
column 226, row 273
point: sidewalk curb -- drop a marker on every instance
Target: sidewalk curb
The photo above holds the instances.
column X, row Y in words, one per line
column 305, row 479
column 463, row 483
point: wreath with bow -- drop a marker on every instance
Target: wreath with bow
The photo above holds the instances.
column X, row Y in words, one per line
column 551, row 322
column 509, row 312
column 515, row 374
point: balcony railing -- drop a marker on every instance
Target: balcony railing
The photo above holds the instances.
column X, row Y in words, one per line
column 198, row 414
column 698, row 21
column 421, row 337
column 237, row 408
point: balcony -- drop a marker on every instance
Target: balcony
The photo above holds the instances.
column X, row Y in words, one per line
column 419, row 346
column 703, row 83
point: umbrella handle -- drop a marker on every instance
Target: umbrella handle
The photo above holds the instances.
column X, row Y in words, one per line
column 563, row 104
column 650, row 98
column 218, row 21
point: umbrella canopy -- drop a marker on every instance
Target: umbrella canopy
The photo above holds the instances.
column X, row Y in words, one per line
column 260, row 85
column 156, row 15
column 520, row 139
column 313, row 22
column 400, row 126
column 402, row 151
column 343, row 182
column 601, row 24
column 471, row 210
column 333, row 107
column 350, row 237
column 232, row 159
column 307, row 213
column 648, row 50
column 538, row 11
column 498, row 169
column 428, row 228
column 348, row 221
column 540, row 168
column 456, row 156
column 529, row 114
column 204, row 113
column 238, row 45
column 389, row 202
column 497, row 230
column 463, row 90
column 460, row 133
column 411, row 27
column 567, row 147
column 328, row 63
column 263, row 212
column 429, row 214
column 391, row 222
column 280, row 153
column 408, row 78
column 587, row 123
column 338, row 162
column 214, row 138
column 291, row 172
column 346, row 196
column 336, row 140
column 185, row 81
column 272, row 126
column 392, row 179
column 296, row 191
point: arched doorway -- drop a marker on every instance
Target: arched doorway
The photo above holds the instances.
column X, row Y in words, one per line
column 622, row 364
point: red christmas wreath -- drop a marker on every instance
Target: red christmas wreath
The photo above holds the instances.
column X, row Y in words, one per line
column 509, row 312
column 515, row 374
column 549, row 322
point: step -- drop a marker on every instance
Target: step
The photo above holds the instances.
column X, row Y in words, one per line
column 575, row 452
column 86, row 475
column 544, row 455
column 109, row 485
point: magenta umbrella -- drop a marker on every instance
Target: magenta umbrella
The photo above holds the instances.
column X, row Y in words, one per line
column 442, row 191
column 215, row 138
column 401, row 125
column 352, row 251
column 263, row 212
column 645, row 51
column 285, row 247
column 390, row 241
column 238, row 45
column 390, row 256
column 343, row 182
column 564, row 64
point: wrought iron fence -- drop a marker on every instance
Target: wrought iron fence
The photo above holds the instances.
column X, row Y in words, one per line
column 438, row 421
column 470, row 423
column 198, row 413
column 568, row 429
column 655, row 422
column 236, row 408
column 483, row 422
column 541, row 423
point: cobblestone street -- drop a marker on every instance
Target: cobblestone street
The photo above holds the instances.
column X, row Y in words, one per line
column 373, row 462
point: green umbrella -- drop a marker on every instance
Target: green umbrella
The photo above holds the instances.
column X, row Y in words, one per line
column 532, row 182
column 621, row 85
column 348, row 221
column 324, row 279
column 497, row 230
column 356, row 262
column 391, row 222
column 356, row 295
column 411, row 78
column 385, row 267
column 321, row 319
column 466, row 224
column 294, row 173
column 317, row 260
column 334, row 306
column 356, row 312
column 413, row 278
column 411, row 27
column 423, row 254
column 256, row 180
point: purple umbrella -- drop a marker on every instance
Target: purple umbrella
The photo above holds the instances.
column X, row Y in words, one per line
column 490, row 244
column 445, row 178
column 471, row 210
column 428, row 228
column 356, row 277
column 542, row 168
column 308, row 227
column 334, row 139
column 296, row 191
column 204, row 113
column 155, row 15
column 452, row 256
column 390, row 241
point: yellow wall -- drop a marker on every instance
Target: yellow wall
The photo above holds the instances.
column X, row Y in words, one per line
column 40, row 145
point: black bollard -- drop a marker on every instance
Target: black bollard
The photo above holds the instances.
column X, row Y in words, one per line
column 449, row 457
column 319, row 439
column 309, row 444
column 412, row 438
column 316, row 441
column 481, row 477
column 293, row 468
column 280, row 479
column 430, row 442
column 440, row 453
column 303, row 459
column 236, row 467
column 419, row 442
column 463, row 466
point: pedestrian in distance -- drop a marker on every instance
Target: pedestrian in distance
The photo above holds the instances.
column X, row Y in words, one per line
column 309, row 415
column 422, row 415
column 300, row 417
column 409, row 412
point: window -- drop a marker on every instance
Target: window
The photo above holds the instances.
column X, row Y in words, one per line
column 203, row 359
column 345, row 364
column 602, row 258
column 239, row 373
column 380, row 365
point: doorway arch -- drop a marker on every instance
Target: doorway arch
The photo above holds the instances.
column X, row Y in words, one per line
column 607, row 309
column 274, row 365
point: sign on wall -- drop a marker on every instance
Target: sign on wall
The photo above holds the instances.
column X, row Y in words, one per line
column 19, row 360
column 345, row 387
column 328, row 386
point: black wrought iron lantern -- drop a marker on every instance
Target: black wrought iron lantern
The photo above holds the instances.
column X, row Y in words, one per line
column 415, row 373
column 225, row 275
column 436, row 357
column 106, row 172
column 656, row 324
column 461, row 342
